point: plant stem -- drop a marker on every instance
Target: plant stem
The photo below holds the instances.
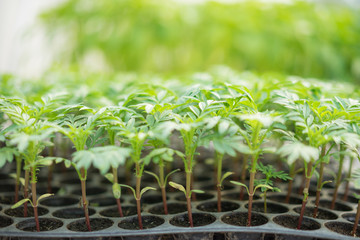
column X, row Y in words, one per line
column 353, row 232
column 49, row 178
column 290, row 183
column 219, row 157
column 188, row 196
column 83, row 193
column 17, row 181
column 243, row 175
column 338, row 177
column 26, row 192
column 162, row 186
column 118, row 203
column 346, row 193
column 319, row 182
column 251, row 195
column 34, row 200
column 265, row 204
column 306, row 193
column 138, row 197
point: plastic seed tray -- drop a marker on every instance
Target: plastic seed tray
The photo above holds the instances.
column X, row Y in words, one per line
column 62, row 212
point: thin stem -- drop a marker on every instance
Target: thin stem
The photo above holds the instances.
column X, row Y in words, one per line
column 218, row 179
column 306, row 193
column 243, row 175
column 319, row 182
column 138, row 197
column 84, row 201
column 338, row 177
column 17, row 181
column 265, row 204
column 118, row 203
column 188, row 197
column 162, row 186
column 346, row 193
column 26, row 192
column 251, row 195
column 290, row 183
column 353, row 232
column 34, row 200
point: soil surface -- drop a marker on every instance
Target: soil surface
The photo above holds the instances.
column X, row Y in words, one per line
column 271, row 207
column 199, row 197
column 342, row 228
column 338, row 206
column 290, row 221
column 59, row 201
column 322, row 213
column 9, row 199
column 113, row 212
column 236, row 196
column 19, row 212
column 282, row 198
column 173, row 208
column 212, row 206
column 69, row 213
column 240, row 219
column 199, row 219
column 90, row 191
column 147, row 221
column 5, row 221
column 46, row 224
column 96, row 224
column 7, row 188
column 103, row 202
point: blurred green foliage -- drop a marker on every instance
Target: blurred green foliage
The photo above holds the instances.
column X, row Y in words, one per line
column 164, row 36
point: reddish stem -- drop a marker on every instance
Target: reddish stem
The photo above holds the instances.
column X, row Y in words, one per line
column 138, row 207
column 163, row 194
column 26, row 192
column 85, row 204
column 34, row 200
column 290, row 183
column 138, row 197
column 353, row 232
column 306, row 194
column 118, row 203
column 219, row 198
column 188, row 203
column 251, row 196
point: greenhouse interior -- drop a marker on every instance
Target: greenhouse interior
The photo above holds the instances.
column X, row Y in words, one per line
column 179, row 120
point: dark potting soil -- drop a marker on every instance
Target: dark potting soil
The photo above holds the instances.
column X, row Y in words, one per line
column 173, row 208
column 338, row 206
column 5, row 221
column 212, row 206
column 8, row 199
column 96, row 224
column 349, row 217
column 199, row 197
column 240, row 219
column 282, row 198
column 113, row 211
column 42, row 190
column 321, row 214
column 149, row 199
column 103, row 202
column 147, row 221
column 236, row 196
column 290, row 221
column 342, row 228
column 199, row 219
column 270, row 208
column 19, row 212
column 90, row 191
column 7, row 188
column 69, row 213
column 46, row 224
column 59, row 201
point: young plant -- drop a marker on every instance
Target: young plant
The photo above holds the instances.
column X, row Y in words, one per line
column 255, row 129
column 356, row 180
column 270, row 173
column 79, row 128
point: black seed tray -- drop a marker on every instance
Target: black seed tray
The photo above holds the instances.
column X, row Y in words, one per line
column 67, row 198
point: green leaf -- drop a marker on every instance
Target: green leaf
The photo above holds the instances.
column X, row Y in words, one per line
column 197, row 191
column 242, row 185
column 110, row 177
column 177, row 186
column 155, row 176
column 21, row 202
column 263, row 186
column 298, row 150
column 169, row 174
column 46, row 195
column 116, row 190
column 227, row 174
column 144, row 190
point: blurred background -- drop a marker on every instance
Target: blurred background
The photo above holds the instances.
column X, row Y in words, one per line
column 315, row 39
